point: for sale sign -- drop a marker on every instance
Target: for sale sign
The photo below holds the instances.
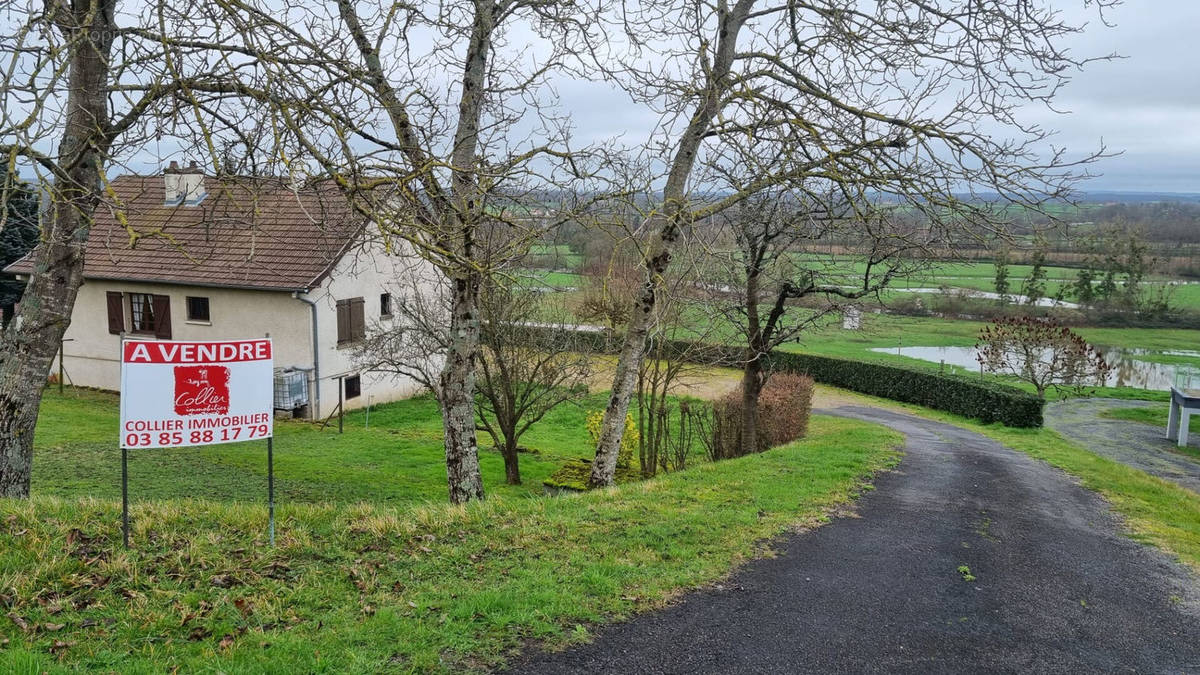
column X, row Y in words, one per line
column 195, row 393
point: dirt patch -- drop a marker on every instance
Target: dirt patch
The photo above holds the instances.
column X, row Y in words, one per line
column 703, row 382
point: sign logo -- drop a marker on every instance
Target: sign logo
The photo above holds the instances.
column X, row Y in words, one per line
column 201, row 390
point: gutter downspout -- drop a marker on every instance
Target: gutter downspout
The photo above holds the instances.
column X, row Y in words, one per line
column 316, row 354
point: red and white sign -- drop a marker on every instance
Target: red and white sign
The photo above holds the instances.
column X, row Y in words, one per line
column 195, row 393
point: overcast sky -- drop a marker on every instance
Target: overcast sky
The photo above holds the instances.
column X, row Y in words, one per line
column 1146, row 105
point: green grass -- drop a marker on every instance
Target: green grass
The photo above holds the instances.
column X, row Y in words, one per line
column 1156, row 416
column 399, row 459
column 1155, row 511
column 545, row 278
column 373, row 587
column 560, row 254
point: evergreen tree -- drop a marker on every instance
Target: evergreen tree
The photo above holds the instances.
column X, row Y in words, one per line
column 1002, row 275
column 18, row 235
column 1085, row 293
column 1035, row 285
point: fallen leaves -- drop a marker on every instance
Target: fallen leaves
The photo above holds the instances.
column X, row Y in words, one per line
column 223, row 580
column 60, row 645
column 244, row 606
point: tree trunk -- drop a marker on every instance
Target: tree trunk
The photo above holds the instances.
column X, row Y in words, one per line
column 751, row 388
column 752, row 371
column 512, row 467
column 458, row 393
column 604, row 467
column 658, row 250
column 30, row 342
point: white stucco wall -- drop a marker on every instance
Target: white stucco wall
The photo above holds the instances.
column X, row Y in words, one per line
column 364, row 272
column 93, row 354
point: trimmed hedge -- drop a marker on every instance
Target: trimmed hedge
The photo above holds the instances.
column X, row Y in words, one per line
column 962, row 395
column 983, row 400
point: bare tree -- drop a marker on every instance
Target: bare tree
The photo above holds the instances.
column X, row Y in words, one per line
column 771, row 261
column 523, row 377
column 1040, row 352
column 84, row 86
column 681, row 349
column 887, row 100
column 433, row 118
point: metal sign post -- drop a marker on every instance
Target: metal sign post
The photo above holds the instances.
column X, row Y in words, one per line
column 125, row 495
column 271, row 488
column 179, row 394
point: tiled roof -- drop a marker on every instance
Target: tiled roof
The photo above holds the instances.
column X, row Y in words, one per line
column 247, row 233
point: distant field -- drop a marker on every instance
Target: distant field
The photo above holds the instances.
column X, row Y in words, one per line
column 982, row 277
column 554, row 256
column 889, row 331
column 545, row 278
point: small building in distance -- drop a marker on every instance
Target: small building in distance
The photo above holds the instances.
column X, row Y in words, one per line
column 185, row 256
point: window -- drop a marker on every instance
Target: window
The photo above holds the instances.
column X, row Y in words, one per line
column 148, row 314
column 141, row 312
column 116, row 312
column 353, row 386
column 197, row 309
column 351, row 321
column 385, row 304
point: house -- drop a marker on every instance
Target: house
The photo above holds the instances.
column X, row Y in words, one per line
column 184, row 256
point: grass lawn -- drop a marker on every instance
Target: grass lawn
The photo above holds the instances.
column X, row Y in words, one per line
column 398, row 459
column 1156, row 416
column 387, row 585
column 1155, row 511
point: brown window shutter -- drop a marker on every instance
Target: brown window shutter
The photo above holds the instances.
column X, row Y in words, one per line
column 162, row 317
column 343, row 321
column 116, row 312
column 358, row 319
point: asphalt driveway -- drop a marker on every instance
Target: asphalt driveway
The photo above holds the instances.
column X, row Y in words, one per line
column 969, row 558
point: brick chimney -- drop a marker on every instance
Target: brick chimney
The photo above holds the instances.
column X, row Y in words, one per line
column 183, row 186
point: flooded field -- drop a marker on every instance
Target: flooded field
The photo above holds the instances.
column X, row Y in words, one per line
column 1128, row 370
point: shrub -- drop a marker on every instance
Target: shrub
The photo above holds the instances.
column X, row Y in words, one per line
column 963, row 395
column 724, row 439
column 783, row 409
column 1042, row 353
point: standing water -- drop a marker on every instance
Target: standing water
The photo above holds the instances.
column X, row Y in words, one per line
column 1127, row 369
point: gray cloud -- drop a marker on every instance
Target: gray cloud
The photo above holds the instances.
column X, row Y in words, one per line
column 1145, row 105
